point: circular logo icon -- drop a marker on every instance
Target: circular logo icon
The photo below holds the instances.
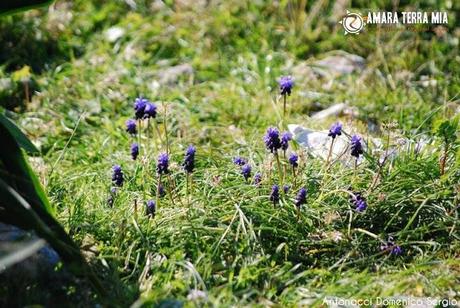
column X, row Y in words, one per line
column 352, row 23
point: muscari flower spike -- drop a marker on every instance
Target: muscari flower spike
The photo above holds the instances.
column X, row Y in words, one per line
column 335, row 130
column 189, row 160
column 359, row 202
column 257, row 178
column 163, row 164
column 117, row 176
column 139, row 107
column 272, row 139
column 161, row 191
column 110, row 200
column 285, row 138
column 286, row 188
column 286, row 83
column 275, row 195
column 301, row 197
column 396, row 250
column 356, row 146
column 131, row 126
column 134, row 151
column 246, row 171
column 151, row 208
column 392, row 247
column 294, row 160
column 239, row 161
column 150, row 110
column 112, row 195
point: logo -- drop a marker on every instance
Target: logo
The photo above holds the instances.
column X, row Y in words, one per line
column 352, row 23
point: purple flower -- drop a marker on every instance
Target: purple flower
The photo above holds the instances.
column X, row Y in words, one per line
column 286, row 188
column 131, row 127
column 285, row 138
column 163, row 164
column 391, row 247
column 335, row 130
column 139, row 107
column 286, row 83
column 359, row 202
column 361, row 205
column 150, row 110
column 356, row 146
column 151, row 208
column 161, row 191
column 110, row 200
column 396, row 250
column 246, row 171
column 301, row 197
column 189, row 160
column 134, row 150
column 239, row 161
column 117, row 176
column 112, row 195
column 275, row 195
column 257, row 178
column 293, row 160
column 272, row 139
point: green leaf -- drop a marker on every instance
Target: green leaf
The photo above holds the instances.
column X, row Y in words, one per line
column 17, row 173
column 23, row 203
column 14, row 6
column 21, row 139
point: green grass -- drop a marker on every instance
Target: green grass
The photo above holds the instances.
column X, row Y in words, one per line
column 226, row 238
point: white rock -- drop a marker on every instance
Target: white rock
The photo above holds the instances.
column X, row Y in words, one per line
column 334, row 110
column 318, row 143
column 310, row 94
column 197, row 295
column 341, row 63
column 114, row 33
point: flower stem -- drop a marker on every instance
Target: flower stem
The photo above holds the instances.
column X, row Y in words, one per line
column 444, row 159
column 355, row 168
column 158, row 133
column 166, row 129
column 158, row 191
column 284, row 106
column 188, row 188
column 139, row 131
column 280, row 171
column 330, row 152
column 26, row 89
column 140, row 160
column 294, row 175
column 147, row 146
column 170, row 190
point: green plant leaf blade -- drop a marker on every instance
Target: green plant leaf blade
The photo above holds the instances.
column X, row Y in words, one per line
column 18, row 174
column 14, row 6
column 21, row 139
